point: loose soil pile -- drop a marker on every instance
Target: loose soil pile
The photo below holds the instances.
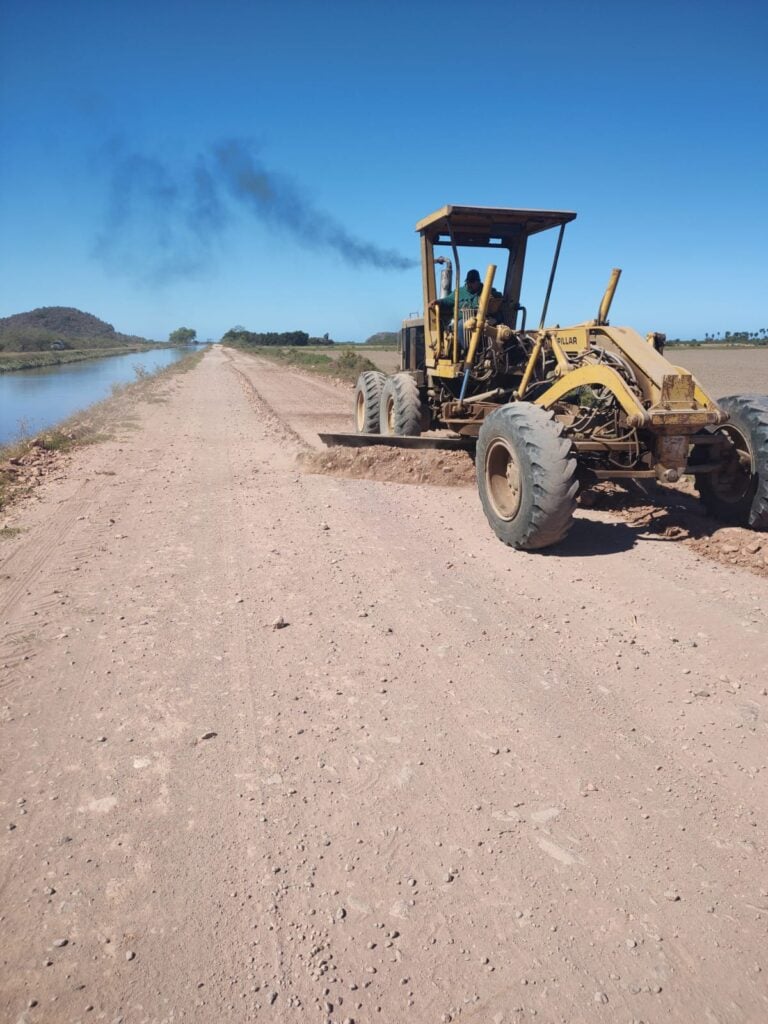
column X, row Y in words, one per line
column 394, row 465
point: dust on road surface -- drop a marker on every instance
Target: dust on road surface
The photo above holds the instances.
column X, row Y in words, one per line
column 460, row 783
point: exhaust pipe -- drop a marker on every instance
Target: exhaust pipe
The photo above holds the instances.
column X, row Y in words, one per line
column 605, row 305
column 446, row 276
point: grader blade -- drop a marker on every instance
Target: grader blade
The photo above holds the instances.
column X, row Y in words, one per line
column 462, row 444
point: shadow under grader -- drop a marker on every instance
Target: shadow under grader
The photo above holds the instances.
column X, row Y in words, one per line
column 649, row 513
column 592, row 537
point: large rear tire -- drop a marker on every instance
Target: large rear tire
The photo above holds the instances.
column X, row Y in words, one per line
column 737, row 493
column 526, row 475
column 368, row 401
column 400, row 411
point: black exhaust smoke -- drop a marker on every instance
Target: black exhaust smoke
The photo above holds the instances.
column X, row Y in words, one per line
column 163, row 225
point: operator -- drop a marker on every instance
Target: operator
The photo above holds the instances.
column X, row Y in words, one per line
column 469, row 294
column 469, row 298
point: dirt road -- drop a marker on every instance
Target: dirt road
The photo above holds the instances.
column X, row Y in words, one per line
column 460, row 784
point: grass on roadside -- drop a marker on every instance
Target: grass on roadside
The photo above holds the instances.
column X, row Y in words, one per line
column 20, row 461
column 347, row 366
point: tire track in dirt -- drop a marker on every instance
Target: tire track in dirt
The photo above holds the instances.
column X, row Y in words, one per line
column 22, row 617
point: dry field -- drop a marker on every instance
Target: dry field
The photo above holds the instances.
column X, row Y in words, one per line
column 736, row 371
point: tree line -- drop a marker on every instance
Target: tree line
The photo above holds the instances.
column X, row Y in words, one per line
column 240, row 336
column 727, row 338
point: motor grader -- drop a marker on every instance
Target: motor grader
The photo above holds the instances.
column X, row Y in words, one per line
column 550, row 409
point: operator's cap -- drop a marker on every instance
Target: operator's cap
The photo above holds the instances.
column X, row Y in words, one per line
column 473, row 275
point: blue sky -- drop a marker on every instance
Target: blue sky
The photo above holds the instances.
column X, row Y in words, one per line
column 649, row 119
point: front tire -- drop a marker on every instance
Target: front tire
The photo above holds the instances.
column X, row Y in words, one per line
column 526, row 475
column 368, row 401
column 737, row 492
column 400, row 412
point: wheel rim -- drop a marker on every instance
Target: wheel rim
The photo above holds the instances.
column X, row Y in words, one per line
column 502, row 479
column 733, row 483
column 390, row 417
column 360, row 412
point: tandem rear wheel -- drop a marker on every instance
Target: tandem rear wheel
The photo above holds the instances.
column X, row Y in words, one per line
column 400, row 412
column 368, row 401
column 737, row 491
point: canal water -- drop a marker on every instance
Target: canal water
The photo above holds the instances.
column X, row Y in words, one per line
column 31, row 400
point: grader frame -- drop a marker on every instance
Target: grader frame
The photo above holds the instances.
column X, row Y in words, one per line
column 552, row 408
column 666, row 401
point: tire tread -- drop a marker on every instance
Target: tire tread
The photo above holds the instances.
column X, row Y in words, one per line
column 370, row 382
column 407, row 404
column 554, row 484
column 749, row 412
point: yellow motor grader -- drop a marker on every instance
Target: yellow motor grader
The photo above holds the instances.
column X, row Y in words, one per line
column 550, row 409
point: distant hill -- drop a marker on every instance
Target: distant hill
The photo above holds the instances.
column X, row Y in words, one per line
column 383, row 338
column 40, row 328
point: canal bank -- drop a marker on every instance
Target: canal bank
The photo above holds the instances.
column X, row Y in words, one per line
column 28, row 461
column 35, row 400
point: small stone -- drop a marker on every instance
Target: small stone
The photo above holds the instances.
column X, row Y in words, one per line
column 209, row 735
column 672, row 896
column 130, row 955
column 49, row 890
column 631, row 944
column 494, row 751
column 59, row 943
column 279, row 623
column 31, row 1004
column 324, row 526
column 101, row 739
column 448, row 878
column 701, row 693
column 271, row 998
column 601, row 997
column 341, row 913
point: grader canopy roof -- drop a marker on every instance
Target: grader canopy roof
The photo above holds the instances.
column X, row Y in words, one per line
column 487, row 225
